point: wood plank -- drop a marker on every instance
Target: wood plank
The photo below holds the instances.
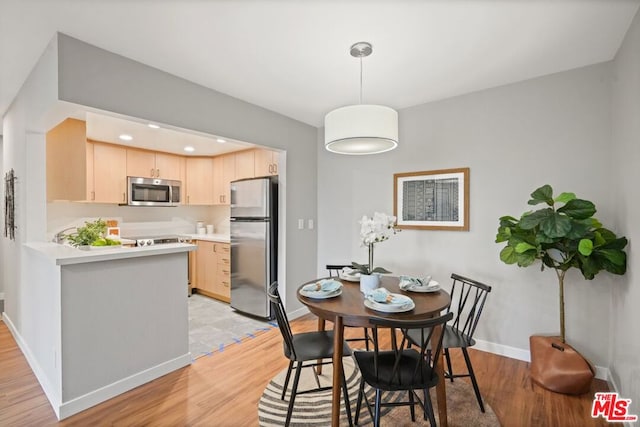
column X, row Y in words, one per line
column 224, row 389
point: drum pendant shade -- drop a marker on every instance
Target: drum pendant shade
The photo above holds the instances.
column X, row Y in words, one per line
column 361, row 129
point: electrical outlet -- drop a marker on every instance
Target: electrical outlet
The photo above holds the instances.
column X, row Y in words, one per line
column 301, row 224
column 310, row 224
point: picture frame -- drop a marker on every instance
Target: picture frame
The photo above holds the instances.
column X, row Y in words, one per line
column 432, row 200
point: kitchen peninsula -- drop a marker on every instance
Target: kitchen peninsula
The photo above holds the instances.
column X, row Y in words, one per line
column 110, row 319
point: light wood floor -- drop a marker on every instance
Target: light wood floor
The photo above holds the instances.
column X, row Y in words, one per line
column 224, row 389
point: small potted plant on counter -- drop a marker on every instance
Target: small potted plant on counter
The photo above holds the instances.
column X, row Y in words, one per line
column 92, row 234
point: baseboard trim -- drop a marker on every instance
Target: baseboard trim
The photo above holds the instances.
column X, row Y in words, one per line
column 52, row 395
column 298, row 313
column 601, row 372
column 114, row 389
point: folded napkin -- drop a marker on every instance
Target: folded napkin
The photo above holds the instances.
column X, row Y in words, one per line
column 324, row 286
column 408, row 282
column 383, row 296
column 348, row 271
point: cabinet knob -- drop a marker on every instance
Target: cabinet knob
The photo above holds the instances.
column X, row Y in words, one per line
column 157, row 173
column 151, row 173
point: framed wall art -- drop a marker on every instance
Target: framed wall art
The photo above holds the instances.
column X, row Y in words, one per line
column 432, row 200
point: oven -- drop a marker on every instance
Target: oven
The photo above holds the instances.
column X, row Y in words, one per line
column 153, row 192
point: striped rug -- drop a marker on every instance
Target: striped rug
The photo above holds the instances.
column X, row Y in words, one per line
column 314, row 409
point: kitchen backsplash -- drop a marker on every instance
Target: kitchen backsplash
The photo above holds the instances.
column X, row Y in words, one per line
column 136, row 221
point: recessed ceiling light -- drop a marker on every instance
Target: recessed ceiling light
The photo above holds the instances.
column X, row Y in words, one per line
column 189, row 149
column 153, row 126
column 221, row 141
column 125, row 137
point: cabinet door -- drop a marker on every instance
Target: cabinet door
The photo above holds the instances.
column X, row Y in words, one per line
column 141, row 163
column 66, row 155
column 199, row 177
column 168, row 166
column 223, row 173
column 245, row 164
column 91, row 193
column 206, row 266
column 109, row 173
column 266, row 163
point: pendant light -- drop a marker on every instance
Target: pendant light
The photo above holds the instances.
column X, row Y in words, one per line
column 361, row 129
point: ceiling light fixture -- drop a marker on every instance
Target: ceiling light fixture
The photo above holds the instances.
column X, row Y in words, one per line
column 125, row 137
column 189, row 149
column 153, row 126
column 221, row 141
column 361, row 129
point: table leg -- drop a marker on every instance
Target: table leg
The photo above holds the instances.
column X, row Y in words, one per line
column 338, row 336
column 441, row 391
column 321, row 326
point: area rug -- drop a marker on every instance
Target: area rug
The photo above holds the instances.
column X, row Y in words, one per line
column 314, row 409
column 214, row 325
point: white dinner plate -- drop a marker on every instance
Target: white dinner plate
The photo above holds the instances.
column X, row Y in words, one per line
column 433, row 287
column 389, row 308
column 349, row 277
column 320, row 294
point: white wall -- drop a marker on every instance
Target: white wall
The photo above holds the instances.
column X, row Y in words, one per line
column 625, row 365
column 515, row 138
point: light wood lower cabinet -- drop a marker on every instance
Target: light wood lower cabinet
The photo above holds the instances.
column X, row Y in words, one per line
column 213, row 270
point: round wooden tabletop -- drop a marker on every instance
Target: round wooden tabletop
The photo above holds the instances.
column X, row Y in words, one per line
column 350, row 304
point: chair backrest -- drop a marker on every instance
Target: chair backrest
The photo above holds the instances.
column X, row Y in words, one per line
column 467, row 301
column 281, row 318
column 334, row 269
column 429, row 351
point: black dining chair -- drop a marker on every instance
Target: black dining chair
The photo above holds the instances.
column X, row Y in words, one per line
column 403, row 368
column 467, row 302
column 305, row 347
column 334, row 270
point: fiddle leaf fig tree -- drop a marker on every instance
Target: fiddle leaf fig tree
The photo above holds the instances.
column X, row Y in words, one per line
column 562, row 235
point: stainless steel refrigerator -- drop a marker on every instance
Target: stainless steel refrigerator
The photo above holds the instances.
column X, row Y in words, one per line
column 254, row 244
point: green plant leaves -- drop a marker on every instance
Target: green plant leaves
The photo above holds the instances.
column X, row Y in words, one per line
column 562, row 238
column 585, row 247
column 543, row 194
column 578, row 209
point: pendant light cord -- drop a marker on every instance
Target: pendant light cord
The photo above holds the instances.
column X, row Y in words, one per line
column 361, row 80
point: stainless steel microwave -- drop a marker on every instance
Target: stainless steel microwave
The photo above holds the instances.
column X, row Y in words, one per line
column 153, row 191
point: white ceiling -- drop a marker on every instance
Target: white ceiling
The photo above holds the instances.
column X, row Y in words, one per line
column 293, row 56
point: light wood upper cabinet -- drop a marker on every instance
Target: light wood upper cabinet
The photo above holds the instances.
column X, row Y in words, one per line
column 199, row 181
column 66, row 161
column 224, row 170
column 266, row 162
column 149, row 164
column 245, row 164
column 109, row 173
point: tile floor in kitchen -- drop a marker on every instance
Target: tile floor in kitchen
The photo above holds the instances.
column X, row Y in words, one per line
column 213, row 325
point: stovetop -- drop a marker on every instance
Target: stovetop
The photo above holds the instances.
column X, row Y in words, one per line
column 159, row 240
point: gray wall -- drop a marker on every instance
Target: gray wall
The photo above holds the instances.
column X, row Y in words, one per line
column 555, row 129
column 625, row 365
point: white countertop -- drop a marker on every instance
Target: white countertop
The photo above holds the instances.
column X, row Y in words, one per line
column 223, row 238
column 64, row 255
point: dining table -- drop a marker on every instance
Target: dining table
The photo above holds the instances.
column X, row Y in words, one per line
column 348, row 309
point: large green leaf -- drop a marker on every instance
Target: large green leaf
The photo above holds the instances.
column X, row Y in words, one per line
column 523, row 247
column 531, row 220
column 555, row 225
column 614, row 256
column 585, row 247
column 543, row 194
column 617, row 244
column 527, row 258
column 504, row 233
column 578, row 209
column 565, row 197
column 579, row 230
column 589, row 266
column 508, row 255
